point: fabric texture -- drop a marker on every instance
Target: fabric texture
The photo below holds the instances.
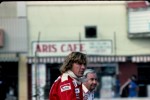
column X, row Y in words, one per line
column 66, row 87
column 87, row 94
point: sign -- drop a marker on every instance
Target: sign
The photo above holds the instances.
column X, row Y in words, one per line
column 63, row 48
column 138, row 17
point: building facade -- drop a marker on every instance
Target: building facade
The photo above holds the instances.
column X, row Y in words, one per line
column 13, row 51
column 105, row 30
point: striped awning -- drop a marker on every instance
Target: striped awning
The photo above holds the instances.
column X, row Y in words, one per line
column 139, row 59
column 91, row 59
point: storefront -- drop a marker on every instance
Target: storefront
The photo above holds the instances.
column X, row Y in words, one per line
column 105, row 66
column 48, row 58
column 139, row 66
column 143, row 69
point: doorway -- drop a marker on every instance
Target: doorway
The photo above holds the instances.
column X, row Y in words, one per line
column 143, row 78
column 8, row 80
column 52, row 72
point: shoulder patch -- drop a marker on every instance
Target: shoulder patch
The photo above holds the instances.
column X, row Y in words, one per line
column 65, row 87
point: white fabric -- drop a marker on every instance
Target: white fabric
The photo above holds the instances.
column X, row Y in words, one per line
column 87, row 94
column 72, row 75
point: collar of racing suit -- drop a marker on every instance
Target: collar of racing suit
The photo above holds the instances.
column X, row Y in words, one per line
column 72, row 75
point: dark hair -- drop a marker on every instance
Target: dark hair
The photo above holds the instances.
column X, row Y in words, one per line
column 134, row 77
column 74, row 57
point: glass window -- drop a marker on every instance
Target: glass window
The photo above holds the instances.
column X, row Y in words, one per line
column 90, row 32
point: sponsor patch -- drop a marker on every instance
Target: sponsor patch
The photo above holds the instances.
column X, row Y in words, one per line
column 77, row 90
column 75, row 83
column 65, row 87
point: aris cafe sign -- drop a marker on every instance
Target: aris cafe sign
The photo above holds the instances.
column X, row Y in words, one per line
column 63, row 48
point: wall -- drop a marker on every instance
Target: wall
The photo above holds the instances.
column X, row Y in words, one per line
column 126, row 70
column 64, row 21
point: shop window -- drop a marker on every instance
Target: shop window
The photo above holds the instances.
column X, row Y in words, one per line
column 90, row 32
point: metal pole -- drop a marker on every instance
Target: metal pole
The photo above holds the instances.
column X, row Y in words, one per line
column 79, row 42
column 115, row 47
column 36, row 70
column 115, row 51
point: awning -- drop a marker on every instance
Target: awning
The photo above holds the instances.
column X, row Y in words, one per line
column 137, row 4
column 91, row 59
column 139, row 59
column 8, row 58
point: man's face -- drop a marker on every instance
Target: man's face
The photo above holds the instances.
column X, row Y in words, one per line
column 91, row 81
column 78, row 69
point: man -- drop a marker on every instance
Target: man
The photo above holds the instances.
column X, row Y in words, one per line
column 89, row 84
column 133, row 87
column 68, row 86
column 130, row 88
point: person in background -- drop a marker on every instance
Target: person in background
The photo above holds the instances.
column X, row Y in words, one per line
column 116, row 85
column 68, row 86
column 89, row 84
column 133, row 87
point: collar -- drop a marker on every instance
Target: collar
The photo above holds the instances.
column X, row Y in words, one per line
column 84, row 88
column 72, row 75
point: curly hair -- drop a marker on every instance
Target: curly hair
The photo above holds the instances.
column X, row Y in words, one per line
column 73, row 57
